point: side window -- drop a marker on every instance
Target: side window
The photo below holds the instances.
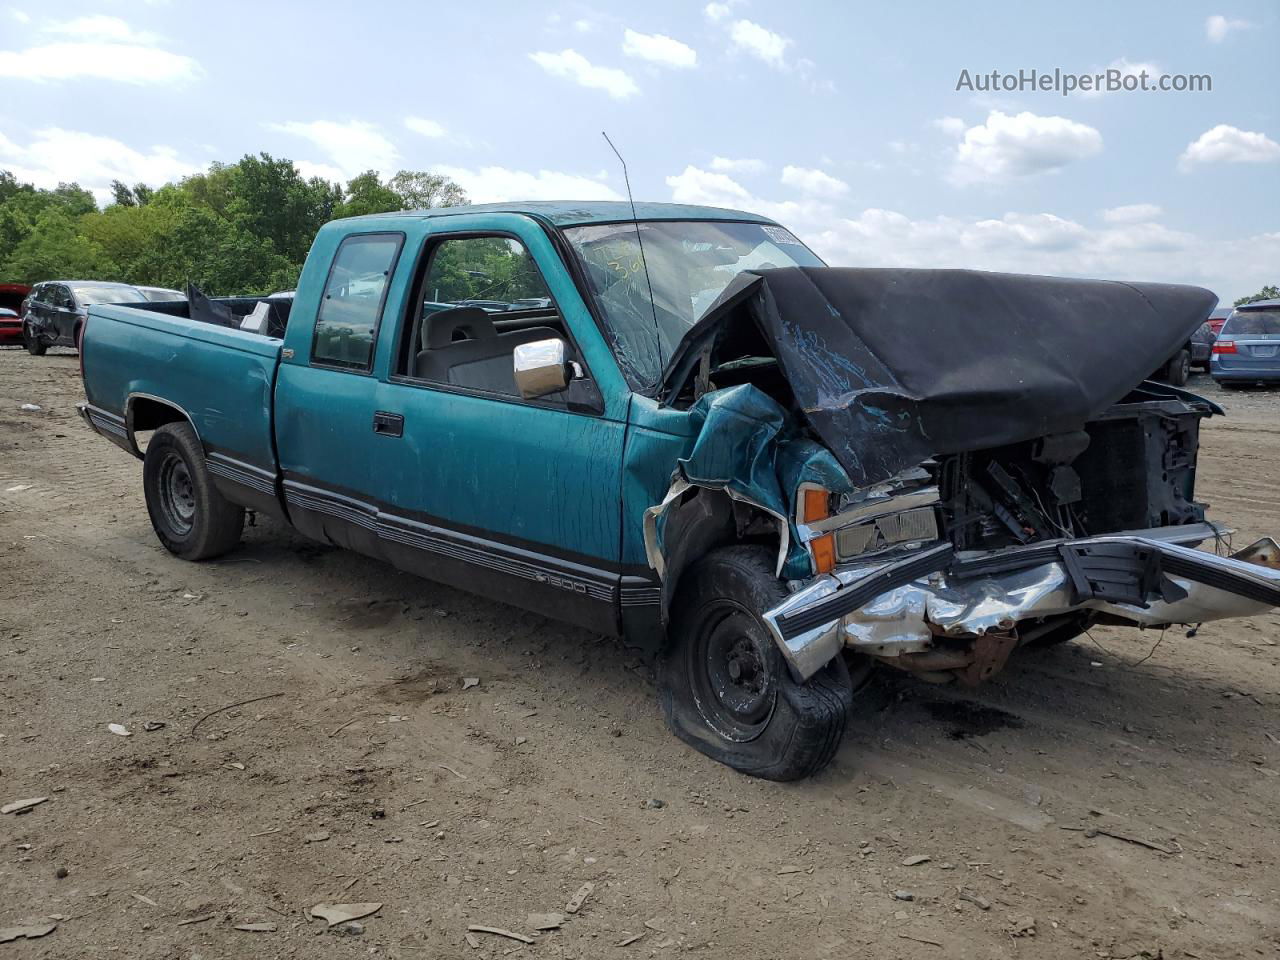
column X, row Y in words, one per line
column 60, row 297
column 482, row 296
column 347, row 323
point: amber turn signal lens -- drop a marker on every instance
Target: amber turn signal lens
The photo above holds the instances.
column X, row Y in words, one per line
column 824, row 553
column 816, row 505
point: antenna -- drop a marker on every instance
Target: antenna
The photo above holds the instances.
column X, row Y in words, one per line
column 657, row 333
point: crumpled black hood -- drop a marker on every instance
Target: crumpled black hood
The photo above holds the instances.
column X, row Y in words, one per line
column 893, row 366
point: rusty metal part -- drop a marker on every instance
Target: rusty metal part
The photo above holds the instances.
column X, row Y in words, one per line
column 983, row 658
column 990, row 654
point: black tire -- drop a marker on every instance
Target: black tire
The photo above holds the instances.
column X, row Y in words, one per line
column 725, row 687
column 191, row 518
column 1178, row 370
column 32, row 341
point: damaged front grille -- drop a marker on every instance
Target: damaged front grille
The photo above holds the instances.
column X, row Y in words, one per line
column 1133, row 468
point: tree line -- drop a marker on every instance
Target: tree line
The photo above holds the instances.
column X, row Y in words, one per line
column 238, row 228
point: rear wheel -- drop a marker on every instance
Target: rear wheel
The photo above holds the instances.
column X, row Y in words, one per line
column 190, row 517
column 32, row 341
column 725, row 687
column 1178, row 370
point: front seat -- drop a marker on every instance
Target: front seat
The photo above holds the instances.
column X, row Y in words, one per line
column 462, row 347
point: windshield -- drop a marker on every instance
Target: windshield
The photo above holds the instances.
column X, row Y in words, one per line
column 690, row 263
column 107, row 293
column 162, row 294
column 1244, row 323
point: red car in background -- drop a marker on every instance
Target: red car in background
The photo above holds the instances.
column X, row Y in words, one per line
column 1217, row 319
column 11, row 297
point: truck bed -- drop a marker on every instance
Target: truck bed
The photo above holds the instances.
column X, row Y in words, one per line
column 143, row 364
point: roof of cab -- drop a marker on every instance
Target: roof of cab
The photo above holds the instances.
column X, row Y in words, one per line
column 574, row 213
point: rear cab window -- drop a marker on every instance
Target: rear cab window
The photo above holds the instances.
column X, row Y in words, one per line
column 354, row 295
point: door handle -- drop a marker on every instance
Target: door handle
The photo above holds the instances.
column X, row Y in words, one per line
column 388, row 424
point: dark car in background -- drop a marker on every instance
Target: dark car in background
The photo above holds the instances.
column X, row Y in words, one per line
column 55, row 311
column 1248, row 348
column 1201, row 345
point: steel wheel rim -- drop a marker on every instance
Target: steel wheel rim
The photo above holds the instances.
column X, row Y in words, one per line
column 733, row 680
column 177, row 494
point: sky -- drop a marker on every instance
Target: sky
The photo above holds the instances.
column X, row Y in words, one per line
column 871, row 129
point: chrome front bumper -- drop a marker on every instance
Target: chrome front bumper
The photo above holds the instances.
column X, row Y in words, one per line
column 901, row 606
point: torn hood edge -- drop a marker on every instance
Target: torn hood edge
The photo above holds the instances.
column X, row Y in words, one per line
column 1039, row 319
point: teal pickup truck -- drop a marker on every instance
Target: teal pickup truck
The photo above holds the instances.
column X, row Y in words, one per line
column 677, row 424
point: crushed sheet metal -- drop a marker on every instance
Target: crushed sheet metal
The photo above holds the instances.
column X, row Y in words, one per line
column 734, row 452
column 905, row 619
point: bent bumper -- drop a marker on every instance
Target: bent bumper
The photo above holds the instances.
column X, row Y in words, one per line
column 902, row 606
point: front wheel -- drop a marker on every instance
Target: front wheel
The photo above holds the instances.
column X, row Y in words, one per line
column 725, row 687
column 32, row 341
column 191, row 518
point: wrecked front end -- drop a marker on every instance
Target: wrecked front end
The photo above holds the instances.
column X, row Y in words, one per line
column 939, row 522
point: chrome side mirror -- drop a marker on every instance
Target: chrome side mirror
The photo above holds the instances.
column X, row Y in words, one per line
column 542, row 367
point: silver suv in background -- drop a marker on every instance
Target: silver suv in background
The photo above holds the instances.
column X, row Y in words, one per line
column 1248, row 347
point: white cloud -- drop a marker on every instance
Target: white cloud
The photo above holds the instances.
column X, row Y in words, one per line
column 814, row 182
column 953, row 126
column 1125, row 68
column 425, row 127
column 699, row 186
column 101, row 28
column 1132, row 213
column 1217, row 27
column 740, row 165
column 759, row 42
column 494, row 184
column 69, row 156
column 351, row 147
column 1227, row 144
column 716, row 12
column 21, row 16
column 125, row 57
column 584, row 25
column 574, row 66
column 1022, row 145
column 657, row 48
column 1047, row 244
column 322, row 170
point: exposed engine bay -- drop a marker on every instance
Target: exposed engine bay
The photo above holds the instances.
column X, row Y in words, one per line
column 1132, row 468
column 998, row 478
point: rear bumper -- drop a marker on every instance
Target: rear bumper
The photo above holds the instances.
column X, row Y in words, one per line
column 1246, row 375
column 11, row 332
column 906, row 606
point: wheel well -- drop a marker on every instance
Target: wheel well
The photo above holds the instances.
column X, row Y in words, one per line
column 146, row 413
column 703, row 520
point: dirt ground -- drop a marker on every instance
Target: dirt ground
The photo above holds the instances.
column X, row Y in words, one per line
column 1082, row 804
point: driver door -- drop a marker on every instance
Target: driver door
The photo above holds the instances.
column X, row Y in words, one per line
column 517, row 499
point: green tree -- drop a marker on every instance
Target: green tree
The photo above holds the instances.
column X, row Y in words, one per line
column 367, row 194
column 1269, row 292
column 54, row 247
column 419, row 190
